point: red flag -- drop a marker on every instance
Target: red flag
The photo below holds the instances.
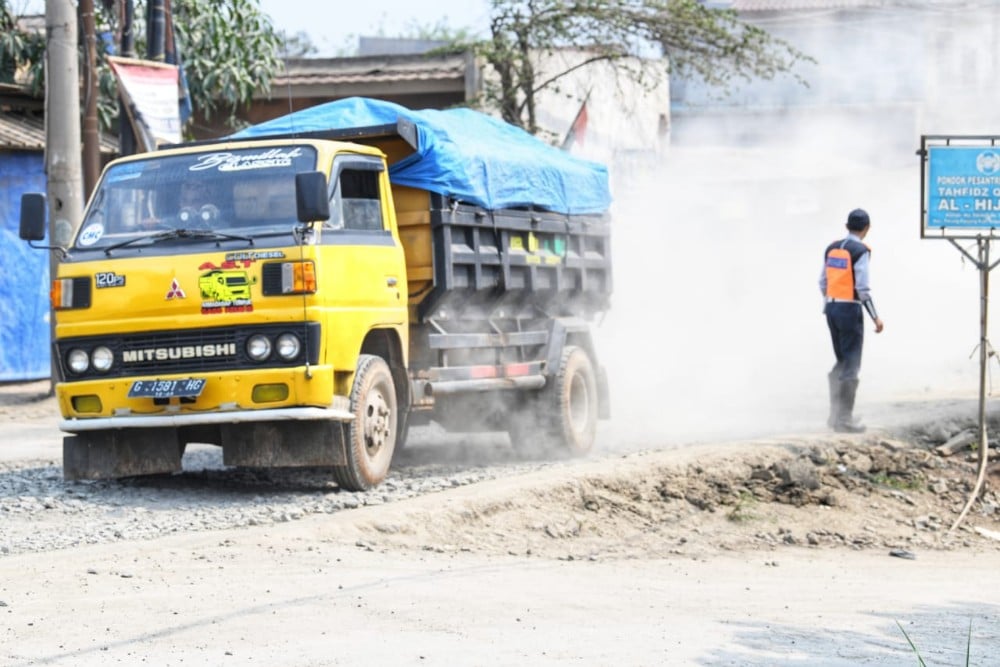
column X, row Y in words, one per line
column 578, row 129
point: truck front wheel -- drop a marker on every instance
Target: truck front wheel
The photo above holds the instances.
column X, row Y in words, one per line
column 372, row 435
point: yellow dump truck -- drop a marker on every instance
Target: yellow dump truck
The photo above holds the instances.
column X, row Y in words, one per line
column 313, row 306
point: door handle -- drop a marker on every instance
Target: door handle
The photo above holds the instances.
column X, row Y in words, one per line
column 391, row 282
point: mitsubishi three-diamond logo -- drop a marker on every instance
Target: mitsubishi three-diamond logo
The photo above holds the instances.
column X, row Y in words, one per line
column 175, row 291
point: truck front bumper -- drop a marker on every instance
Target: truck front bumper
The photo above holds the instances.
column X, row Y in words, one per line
column 338, row 411
column 226, row 398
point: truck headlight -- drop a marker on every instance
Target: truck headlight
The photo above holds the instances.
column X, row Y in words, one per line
column 259, row 347
column 102, row 358
column 288, row 346
column 78, row 360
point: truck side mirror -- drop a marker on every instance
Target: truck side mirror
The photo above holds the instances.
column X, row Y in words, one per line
column 32, row 216
column 311, row 199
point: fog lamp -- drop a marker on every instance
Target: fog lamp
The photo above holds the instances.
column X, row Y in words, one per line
column 269, row 393
column 89, row 403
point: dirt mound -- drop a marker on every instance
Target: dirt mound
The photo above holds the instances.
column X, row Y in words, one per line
column 858, row 492
column 886, row 491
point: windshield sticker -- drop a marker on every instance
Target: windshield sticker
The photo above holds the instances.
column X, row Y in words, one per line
column 120, row 178
column 125, row 172
column 275, row 157
column 91, row 234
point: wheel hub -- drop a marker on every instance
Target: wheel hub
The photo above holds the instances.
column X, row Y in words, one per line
column 376, row 422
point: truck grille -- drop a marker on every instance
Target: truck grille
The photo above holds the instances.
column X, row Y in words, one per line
column 189, row 351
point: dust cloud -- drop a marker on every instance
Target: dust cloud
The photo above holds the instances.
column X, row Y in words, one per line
column 716, row 327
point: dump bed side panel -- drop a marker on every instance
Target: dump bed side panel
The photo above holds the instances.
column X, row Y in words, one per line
column 513, row 263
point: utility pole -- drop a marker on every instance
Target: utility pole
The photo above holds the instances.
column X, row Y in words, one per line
column 91, row 136
column 156, row 31
column 62, row 130
column 126, row 137
column 62, row 121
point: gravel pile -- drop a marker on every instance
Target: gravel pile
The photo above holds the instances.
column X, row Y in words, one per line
column 41, row 512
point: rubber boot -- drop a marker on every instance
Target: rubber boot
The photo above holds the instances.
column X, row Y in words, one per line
column 845, row 422
column 833, row 377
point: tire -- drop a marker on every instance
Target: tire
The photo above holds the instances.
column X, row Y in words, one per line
column 402, row 428
column 570, row 406
column 371, row 436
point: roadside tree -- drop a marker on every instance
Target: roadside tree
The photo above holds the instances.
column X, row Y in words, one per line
column 229, row 50
column 640, row 37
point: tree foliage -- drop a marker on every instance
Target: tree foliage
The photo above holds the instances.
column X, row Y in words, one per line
column 20, row 51
column 229, row 50
column 638, row 36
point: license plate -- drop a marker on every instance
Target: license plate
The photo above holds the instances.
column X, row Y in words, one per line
column 188, row 388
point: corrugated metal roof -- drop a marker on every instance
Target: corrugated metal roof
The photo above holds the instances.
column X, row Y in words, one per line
column 21, row 132
column 382, row 69
column 787, row 5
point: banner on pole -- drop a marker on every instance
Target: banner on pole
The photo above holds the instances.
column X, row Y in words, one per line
column 150, row 93
column 960, row 186
column 578, row 130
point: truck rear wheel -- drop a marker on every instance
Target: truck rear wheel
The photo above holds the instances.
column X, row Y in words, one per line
column 371, row 436
column 570, row 403
column 562, row 417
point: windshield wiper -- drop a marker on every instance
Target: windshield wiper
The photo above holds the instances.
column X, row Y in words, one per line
column 179, row 234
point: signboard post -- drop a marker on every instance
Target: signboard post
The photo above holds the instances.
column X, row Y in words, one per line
column 960, row 200
column 150, row 92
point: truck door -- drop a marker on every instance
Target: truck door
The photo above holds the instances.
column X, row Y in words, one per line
column 368, row 263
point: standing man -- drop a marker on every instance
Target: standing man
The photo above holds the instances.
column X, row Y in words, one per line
column 844, row 284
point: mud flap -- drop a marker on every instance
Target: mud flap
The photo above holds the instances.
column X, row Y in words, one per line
column 284, row 444
column 121, row 453
column 603, row 394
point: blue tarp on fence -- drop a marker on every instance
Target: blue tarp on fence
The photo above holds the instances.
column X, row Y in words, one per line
column 466, row 155
column 24, row 288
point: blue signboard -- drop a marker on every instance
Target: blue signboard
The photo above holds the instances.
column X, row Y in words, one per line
column 963, row 187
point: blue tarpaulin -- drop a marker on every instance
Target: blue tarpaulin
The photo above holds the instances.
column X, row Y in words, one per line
column 465, row 154
column 24, row 289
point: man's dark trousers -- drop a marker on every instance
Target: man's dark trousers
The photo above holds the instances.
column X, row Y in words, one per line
column 847, row 332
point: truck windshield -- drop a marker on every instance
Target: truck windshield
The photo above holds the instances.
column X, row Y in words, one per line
column 240, row 192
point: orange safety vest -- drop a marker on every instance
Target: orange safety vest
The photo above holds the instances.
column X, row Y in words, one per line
column 841, row 256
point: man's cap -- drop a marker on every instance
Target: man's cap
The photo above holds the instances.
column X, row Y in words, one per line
column 857, row 220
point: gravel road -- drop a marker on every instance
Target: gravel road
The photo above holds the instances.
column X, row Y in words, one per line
column 746, row 553
column 40, row 512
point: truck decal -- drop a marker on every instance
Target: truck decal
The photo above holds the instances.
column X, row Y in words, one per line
column 226, row 265
column 225, row 291
column 269, row 159
column 251, row 256
column 109, row 279
column 549, row 251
